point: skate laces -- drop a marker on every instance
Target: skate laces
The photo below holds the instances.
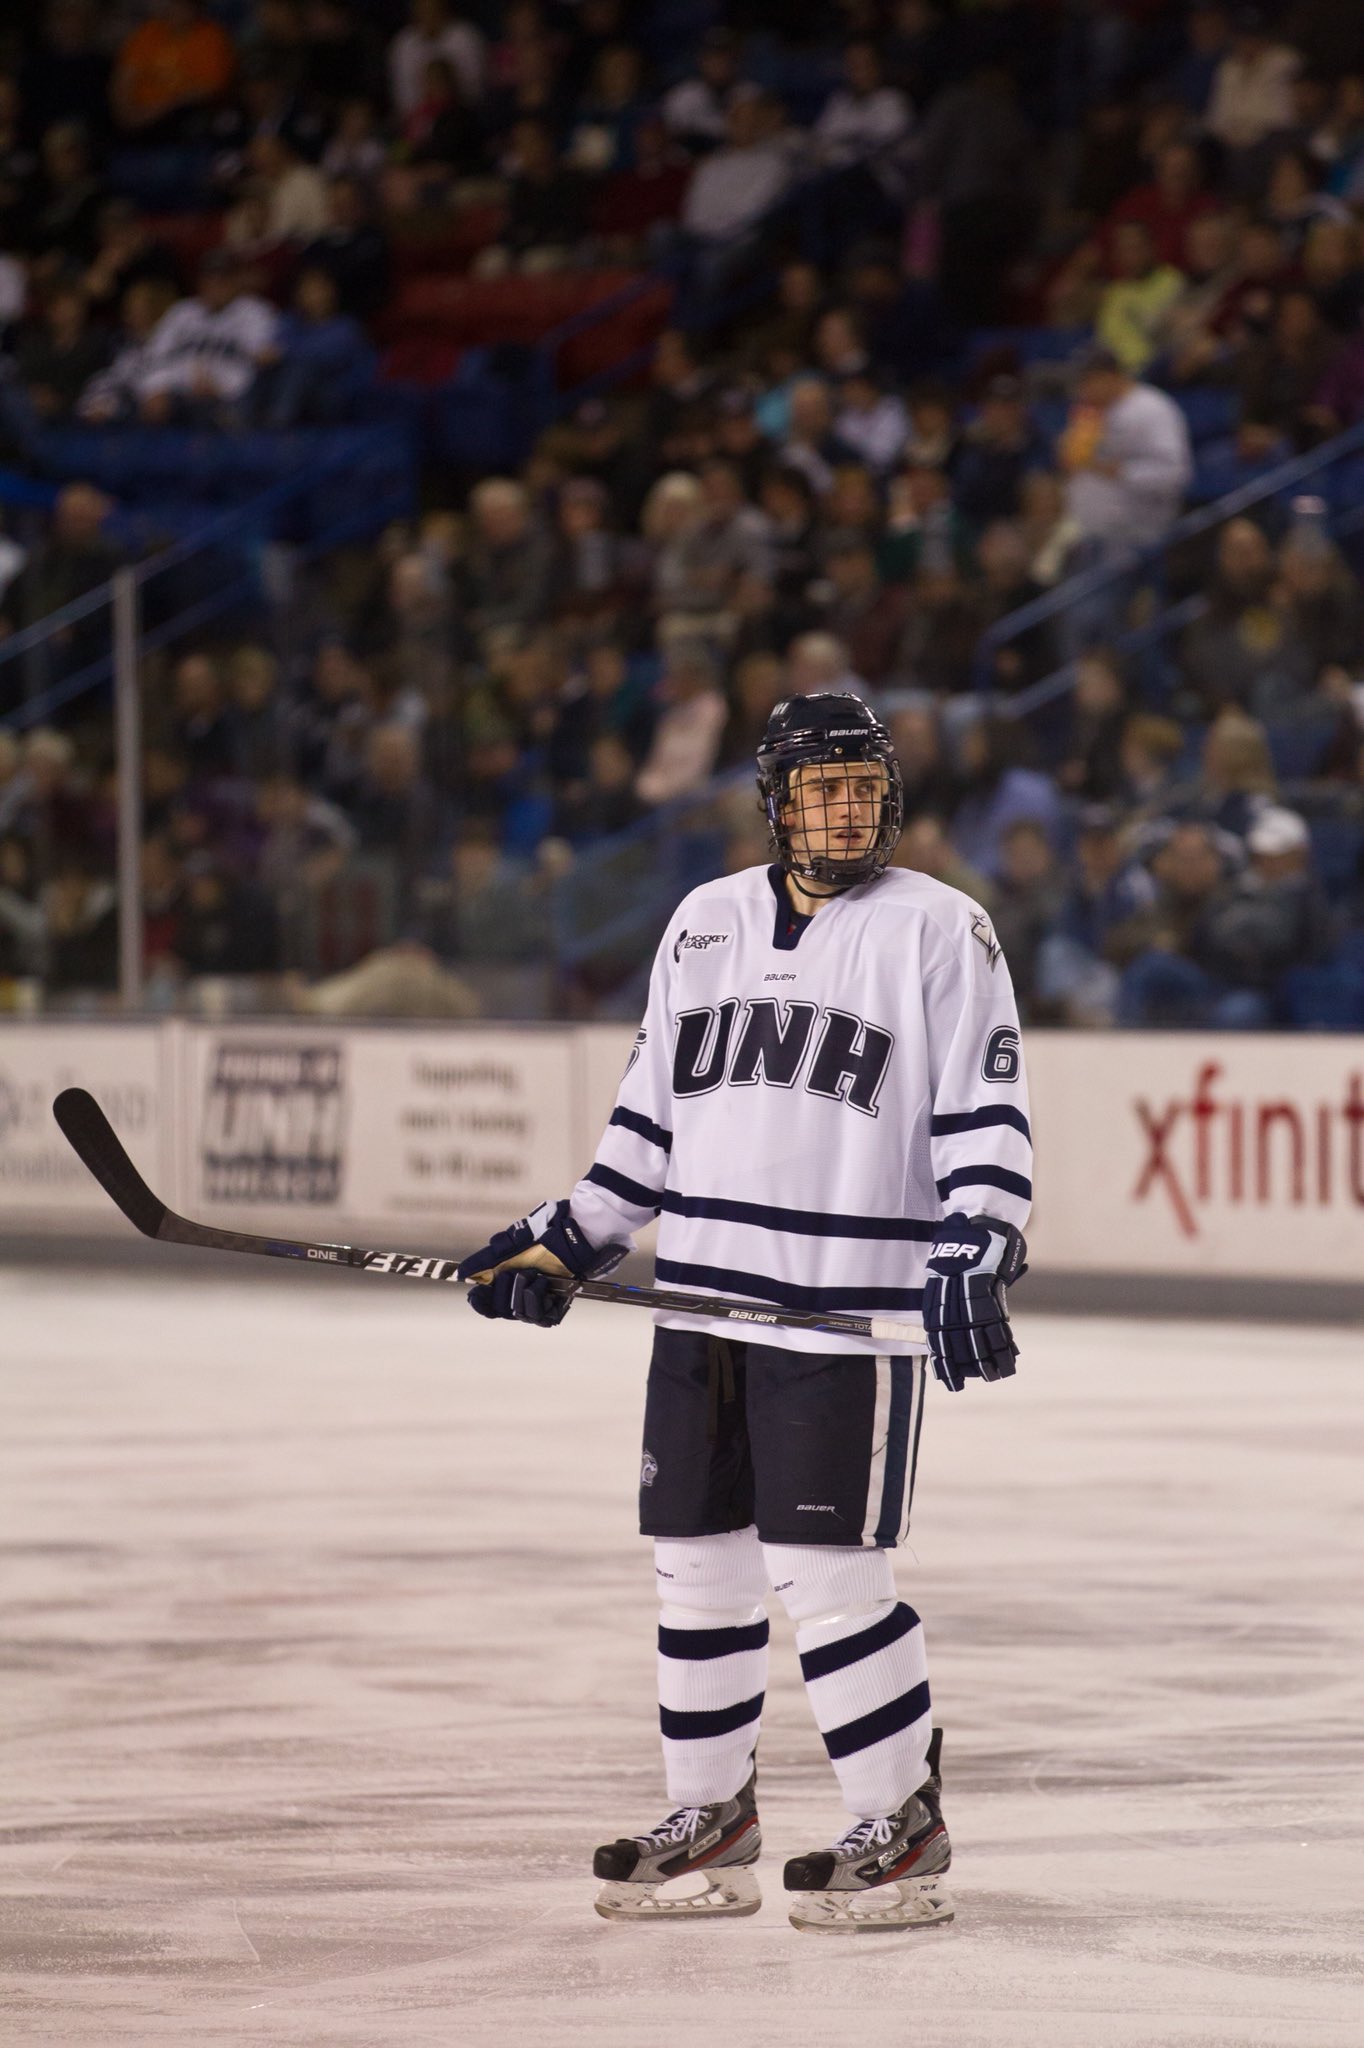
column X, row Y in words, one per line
column 679, row 1826
column 867, row 1834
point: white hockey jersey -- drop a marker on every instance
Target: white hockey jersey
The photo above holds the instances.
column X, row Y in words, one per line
column 808, row 1097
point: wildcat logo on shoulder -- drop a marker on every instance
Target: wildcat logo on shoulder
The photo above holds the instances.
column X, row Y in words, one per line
column 983, row 934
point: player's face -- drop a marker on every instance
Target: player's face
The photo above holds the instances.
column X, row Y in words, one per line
column 834, row 809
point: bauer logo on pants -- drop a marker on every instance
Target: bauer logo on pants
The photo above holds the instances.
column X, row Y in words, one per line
column 273, row 1122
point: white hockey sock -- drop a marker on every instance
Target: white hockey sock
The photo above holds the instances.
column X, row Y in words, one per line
column 712, row 1661
column 866, row 1672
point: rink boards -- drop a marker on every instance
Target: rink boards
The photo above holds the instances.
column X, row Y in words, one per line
column 1206, row 1154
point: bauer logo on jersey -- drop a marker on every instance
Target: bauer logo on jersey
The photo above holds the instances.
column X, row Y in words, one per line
column 641, row 1040
column 983, row 933
column 648, row 1470
column 699, row 942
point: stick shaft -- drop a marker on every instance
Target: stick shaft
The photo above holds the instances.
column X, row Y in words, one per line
column 91, row 1135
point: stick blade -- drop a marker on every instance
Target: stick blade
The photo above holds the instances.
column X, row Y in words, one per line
column 92, row 1138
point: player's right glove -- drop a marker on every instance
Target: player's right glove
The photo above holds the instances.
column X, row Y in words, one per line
column 972, row 1261
column 528, row 1272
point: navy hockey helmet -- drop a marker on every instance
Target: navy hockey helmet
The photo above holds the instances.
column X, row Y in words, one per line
column 836, row 728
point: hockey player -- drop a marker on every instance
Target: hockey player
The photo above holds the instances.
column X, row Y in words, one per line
column 826, row 1104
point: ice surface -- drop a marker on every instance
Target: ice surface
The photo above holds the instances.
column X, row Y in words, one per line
column 328, row 1657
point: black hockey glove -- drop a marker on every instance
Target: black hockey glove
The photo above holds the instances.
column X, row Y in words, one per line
column 527, row 1294
column 971, row 1263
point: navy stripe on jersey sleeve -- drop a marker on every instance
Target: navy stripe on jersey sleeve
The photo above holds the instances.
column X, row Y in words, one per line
column 986, row 1177
column 979, row 1120
column 643, row 1127
column 621, row 1184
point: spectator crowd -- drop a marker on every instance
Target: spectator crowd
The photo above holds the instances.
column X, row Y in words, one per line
column 969, row 304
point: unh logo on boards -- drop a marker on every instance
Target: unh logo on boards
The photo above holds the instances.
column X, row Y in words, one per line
column 273, row 1123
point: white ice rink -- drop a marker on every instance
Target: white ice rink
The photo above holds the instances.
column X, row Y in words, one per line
column 328, row 1657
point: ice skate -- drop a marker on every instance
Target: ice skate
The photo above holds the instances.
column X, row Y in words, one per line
column 882, row 1876
column 695, row 1865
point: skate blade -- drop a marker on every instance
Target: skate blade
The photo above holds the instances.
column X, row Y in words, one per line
column 886, row 1909
column 700, row 1895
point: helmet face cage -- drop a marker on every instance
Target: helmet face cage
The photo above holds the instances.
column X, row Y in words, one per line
column 784, row 806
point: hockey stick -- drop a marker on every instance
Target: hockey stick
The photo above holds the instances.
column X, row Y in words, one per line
column 92, row 1137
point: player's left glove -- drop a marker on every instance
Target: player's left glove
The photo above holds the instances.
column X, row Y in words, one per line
column 530, row 1270
column 971, row 1263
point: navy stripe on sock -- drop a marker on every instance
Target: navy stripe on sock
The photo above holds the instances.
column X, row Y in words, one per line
column 827, row 1657
column 716, row 1721
column 979, row 1120
column 629, row 1190
column 643, row 1127
column 881, row 1722
column 698, row 1644
column 986, row 1177
column 761, row 1287
column 897, row 1453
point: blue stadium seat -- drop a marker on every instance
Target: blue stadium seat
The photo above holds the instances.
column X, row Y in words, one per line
column 1211, row 414
column 1337, row 847
column 1329, row 998
column 1298, row 746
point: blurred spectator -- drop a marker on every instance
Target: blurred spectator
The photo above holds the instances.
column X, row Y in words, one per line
column 1090, row 766
column 352, row 248
column 508, row 565
column 127, row 253
column 73, row 557
column 176, row 62
column 65, row 70
column 200, row 728
column 115, row 394
column 867, row 616
column 1169, row 206
column 1320, row 601
column 1126, row 453
column 404, row 980
column 57, row 360
column 255, row 714
column 997, row 792
column 686, row 739
column 740, row 180
column 434, row 30
column 1281, row 375
column 225, row 925
column 976, row 157
column 871, row 422
column 996, row 452
column 603, row 136
column 326, row 364
column 306, row 840
column 80, row 924
column 1028, row 899
column 1239, row 651
column 606, row 799
column 295, row 191
column 442, row 131
column 355, row 149
column 1134, row 308
column 925, row 847
column 1252, row 94
column 395, row 810
column 1075, row 979
column 861, row 135
column 206, row 353
column 1162, row 985
column 1273, row 918
column 23, row 928
column 698, row 108
column 546, row 206
column 1236, row 774
column 61, row 223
